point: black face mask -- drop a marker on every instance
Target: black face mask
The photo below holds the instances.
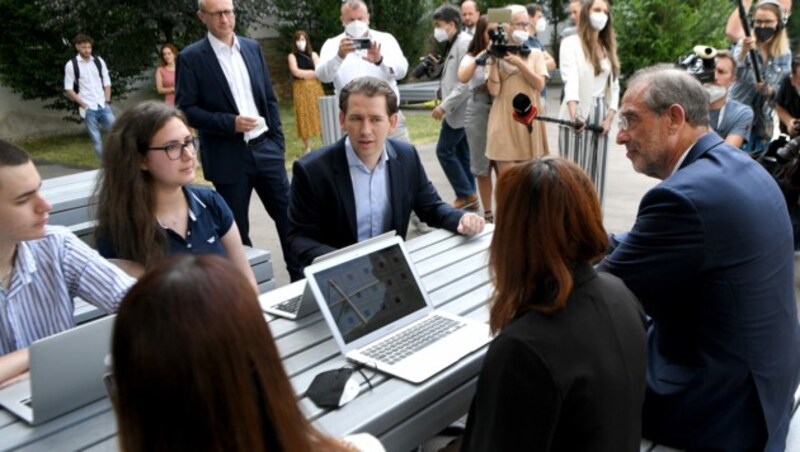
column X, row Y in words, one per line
column 764, row 34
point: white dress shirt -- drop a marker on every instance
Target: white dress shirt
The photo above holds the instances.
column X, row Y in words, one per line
column 90, row 85
column 235, row 70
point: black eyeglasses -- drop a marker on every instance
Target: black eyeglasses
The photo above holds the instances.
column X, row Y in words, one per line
column 229, row 13
column 175, row 151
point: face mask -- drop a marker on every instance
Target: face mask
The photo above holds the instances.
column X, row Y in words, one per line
column 440, row 34
column 764, row 34
column 520, row 36
column 541, row 25
column 356, row 29
column 715, row 92
column 598, row 20
column 301, row 45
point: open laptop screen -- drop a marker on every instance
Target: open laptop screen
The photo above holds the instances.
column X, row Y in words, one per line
column 369, row 292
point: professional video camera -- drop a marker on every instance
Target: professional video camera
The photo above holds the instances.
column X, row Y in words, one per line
column 429, row 66
column 700, row 64
column 782, row 161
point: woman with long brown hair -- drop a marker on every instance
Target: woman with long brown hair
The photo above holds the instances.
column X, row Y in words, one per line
column 147, row 208
column 306, row 88
column 590, row 70
column 567, row 368
column 196, row 368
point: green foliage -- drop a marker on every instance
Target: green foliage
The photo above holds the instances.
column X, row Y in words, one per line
column 38, row 39
column 660, row 31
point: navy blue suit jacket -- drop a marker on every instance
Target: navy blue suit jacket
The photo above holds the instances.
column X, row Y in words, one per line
column 710, row 258
column 203, row 94
column 322, row 208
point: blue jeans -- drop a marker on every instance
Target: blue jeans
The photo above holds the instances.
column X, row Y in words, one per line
column 102, row 117
column 453, row 153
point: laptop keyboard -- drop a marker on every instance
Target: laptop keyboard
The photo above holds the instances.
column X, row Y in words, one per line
column 399, row 347
column 291, row 305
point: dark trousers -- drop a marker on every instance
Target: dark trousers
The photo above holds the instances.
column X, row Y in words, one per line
column 271, row 183
column 453, row 153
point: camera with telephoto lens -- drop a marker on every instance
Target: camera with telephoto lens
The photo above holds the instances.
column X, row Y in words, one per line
column 782, row 162
column 428, row 67
column 700, row 64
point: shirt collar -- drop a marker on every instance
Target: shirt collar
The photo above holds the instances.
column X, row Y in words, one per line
column 196, row 206
column 25, row 262
column 683, row 157
column 354, row 160
column 218, row 45
column 80, row 58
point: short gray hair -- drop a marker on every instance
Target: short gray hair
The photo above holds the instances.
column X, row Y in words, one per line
column 355, row 4
column 663, row 85
column 370, row 87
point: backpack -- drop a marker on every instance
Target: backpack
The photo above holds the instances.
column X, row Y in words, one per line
column 97, row 62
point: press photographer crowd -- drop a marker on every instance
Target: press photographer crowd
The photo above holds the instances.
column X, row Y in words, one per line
column 679, row 334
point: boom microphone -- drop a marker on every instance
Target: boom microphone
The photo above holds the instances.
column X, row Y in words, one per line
column 525, row 113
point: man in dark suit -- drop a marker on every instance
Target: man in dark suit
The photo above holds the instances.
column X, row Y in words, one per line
column 223, row 86
column 364, row 184
column 710, row 258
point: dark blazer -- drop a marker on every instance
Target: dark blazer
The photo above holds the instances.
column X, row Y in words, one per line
column 203, row 94
column 710, row 257
column 570, row 381
column 322, row 208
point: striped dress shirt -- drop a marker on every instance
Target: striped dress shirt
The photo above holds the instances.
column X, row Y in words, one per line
column 48, row 273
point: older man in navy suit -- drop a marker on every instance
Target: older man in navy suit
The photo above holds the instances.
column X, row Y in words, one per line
column 223, row 86
column 710, row 257
column 364, row 184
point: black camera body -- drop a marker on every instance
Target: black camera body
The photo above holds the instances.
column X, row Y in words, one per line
column 500, row 46
column 700, row 64
column 782, row 162
column 428, row 67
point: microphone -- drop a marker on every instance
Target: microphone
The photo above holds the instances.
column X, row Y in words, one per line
column 525, row 112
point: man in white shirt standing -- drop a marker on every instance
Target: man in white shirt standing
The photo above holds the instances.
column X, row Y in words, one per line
column 86, row 82
column 223, row 86
column 360, row 51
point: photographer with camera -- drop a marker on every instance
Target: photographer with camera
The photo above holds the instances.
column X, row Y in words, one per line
column 452, row 149
column 513, row 69
column 360, row 51
column 590, row 70
column 771, row 46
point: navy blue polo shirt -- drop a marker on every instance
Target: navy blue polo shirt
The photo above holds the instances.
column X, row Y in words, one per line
column 210, row 219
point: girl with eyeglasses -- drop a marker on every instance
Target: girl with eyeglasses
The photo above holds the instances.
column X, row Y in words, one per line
column 147, row 208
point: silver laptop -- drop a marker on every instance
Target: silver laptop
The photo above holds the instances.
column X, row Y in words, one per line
column 295, row 300
column 66, row 372
column 381, row 315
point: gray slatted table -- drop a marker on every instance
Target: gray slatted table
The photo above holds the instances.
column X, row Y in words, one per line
column 400, row 414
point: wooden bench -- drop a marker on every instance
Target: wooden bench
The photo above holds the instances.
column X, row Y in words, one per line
column 72, row 197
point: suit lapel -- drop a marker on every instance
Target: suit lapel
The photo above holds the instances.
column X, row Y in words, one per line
column 396, row 182
column 214, row 68
column 256, row 84
column 344, row 186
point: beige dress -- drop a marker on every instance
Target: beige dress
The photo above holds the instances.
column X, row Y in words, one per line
column 508, row 140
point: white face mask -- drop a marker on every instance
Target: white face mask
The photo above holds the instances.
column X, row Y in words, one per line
column 356, row 29
column 541, row 25
column 598, row 20
column 440, row 34
column 715, row 92
column 301, row 45
column 520, row 36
